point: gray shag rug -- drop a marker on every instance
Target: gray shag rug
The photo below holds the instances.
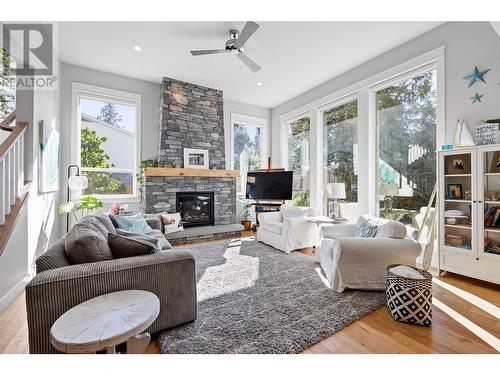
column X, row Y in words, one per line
column 255, row 299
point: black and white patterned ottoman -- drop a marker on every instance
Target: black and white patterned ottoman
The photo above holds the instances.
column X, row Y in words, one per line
column 409, row 299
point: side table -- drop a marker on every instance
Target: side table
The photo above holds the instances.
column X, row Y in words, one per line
column 103, row 322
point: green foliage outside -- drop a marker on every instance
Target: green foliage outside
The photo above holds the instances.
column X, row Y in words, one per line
column 109, row 114
column 93, row 155
column 406, row 116
column 7, row 85
column 242, row 141
column 299, row 135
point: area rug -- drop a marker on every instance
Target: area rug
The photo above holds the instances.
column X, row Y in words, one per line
column 253, row 298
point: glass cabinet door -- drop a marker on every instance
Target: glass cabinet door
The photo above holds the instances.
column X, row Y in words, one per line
column 459, row 209
column 489, row 204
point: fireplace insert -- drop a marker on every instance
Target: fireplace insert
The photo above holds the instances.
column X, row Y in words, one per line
column 196, row 208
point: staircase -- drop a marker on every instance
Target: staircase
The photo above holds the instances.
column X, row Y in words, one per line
column 12, row 194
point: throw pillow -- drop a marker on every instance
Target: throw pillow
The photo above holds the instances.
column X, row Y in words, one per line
column 124, row 247
column 155, row 237
column 172, row 222
column 133, row 223
column 105, row 220
column 84, row 244
column 366, row 230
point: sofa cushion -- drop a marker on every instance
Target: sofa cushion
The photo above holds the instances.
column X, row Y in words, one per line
column 289, row 212
column 385, row 228
column 366, row 230
column 273, row 227
column 156, row 237
column 128, row 246
column 133, row 223
column 105, row 220
column 85, row 243
column 96, row 223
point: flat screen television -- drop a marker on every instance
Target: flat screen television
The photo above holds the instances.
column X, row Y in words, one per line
column 269, row 185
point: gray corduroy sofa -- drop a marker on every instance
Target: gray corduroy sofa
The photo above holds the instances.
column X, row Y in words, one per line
column 59, row 286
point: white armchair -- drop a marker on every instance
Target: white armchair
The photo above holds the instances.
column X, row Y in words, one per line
column 288, row 230
column 360, row 262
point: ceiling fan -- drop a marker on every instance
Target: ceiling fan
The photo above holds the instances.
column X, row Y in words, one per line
column 235, row 45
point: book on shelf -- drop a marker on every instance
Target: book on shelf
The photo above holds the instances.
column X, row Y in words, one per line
column 491, row 217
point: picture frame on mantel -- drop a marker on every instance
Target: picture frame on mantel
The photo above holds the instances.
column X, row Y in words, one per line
column 196, row 158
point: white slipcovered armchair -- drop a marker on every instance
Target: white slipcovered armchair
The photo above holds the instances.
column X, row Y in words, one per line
column 360, row 262
column 288, row 230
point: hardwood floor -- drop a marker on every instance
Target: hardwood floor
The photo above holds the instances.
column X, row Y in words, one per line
column 466, row 319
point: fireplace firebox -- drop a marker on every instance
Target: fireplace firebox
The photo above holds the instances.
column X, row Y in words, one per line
column 196, row 208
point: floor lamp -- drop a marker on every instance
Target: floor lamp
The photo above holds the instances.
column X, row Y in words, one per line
column 75, row 182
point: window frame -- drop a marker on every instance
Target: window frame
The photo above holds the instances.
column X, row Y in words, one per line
column 81, row 90
column 367, row 135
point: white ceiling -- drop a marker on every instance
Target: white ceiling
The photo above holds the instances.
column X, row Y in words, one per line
column 295, row 56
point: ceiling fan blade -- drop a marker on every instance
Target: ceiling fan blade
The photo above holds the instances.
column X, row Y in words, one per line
column 254, row 67
column 208, row 52
column 248, row 30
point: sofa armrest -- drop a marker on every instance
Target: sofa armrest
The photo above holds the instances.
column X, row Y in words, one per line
column 337, row 230
column 300, row 230
column 267, row 217
column 154, row 221
column 170, row 275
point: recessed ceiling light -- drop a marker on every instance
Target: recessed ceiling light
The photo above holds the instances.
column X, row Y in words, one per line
column 214, row 85
column 259, row 83
column 180, row 76
column 137, row 48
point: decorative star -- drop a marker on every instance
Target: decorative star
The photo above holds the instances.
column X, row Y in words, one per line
column 476, row 75
column 476, row 98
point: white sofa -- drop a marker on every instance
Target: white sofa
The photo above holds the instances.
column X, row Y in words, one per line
column 288, row 230
column 360, row 262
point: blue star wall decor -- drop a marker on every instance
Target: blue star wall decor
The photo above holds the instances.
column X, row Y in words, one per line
column 476, row 98
column 476, row 75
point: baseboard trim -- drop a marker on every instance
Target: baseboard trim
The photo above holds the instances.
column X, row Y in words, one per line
column 13, row 293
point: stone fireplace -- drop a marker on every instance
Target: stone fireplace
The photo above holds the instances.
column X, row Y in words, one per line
column 191, row 116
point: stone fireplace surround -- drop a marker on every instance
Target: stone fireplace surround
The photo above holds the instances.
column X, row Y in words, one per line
column 191, row 116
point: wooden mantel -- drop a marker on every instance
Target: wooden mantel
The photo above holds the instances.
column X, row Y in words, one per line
column 190, row 172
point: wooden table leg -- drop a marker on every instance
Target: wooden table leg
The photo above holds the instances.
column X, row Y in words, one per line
column 138, row 344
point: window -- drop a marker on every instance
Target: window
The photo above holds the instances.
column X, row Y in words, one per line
column 7, row 85
column 107, row 140
column 406, row 124
column 248, row 146
column 299, row 138
column 340, row 154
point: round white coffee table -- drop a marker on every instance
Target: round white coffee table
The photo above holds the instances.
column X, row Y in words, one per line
column 103, row 322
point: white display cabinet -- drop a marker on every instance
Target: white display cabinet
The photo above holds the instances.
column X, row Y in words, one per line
column 469, row 212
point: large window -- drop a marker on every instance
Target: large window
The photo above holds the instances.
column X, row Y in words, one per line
column 340, row 155
column 108, row 142
column 248, row 146
column 299, row 138
column 406, row 124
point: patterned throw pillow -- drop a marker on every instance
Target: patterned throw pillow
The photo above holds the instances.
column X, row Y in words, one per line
column 366, row 230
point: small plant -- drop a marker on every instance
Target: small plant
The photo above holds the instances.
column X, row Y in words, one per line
column 246, row 211
column 141, row 179
column 86, row 205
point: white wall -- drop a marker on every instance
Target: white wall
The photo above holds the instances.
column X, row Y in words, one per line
column 37, row 225
column 467, row 44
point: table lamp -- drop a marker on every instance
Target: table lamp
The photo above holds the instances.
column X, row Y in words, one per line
column 335, row 190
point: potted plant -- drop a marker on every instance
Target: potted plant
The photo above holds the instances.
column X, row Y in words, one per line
column 246, row 216
column 86, row 205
